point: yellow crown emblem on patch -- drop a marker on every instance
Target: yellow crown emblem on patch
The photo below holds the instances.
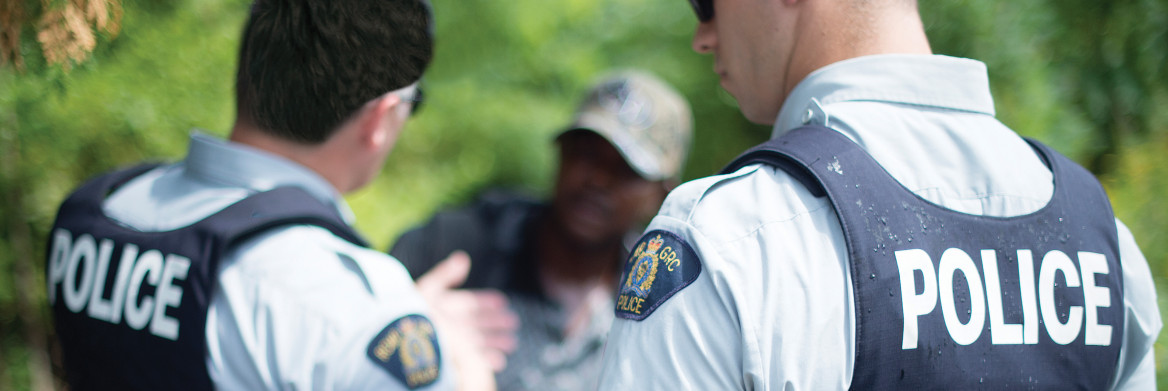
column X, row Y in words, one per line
column 655, row 244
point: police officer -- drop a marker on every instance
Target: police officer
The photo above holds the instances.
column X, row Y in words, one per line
column 557, row 261
column 892, row 234
column 237, row 268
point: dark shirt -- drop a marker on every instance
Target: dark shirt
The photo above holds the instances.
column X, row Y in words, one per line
column 494, row 231
column 499, row 232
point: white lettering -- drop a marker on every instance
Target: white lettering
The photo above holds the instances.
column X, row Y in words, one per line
column 914, row 305
column 129, row 254
column 1036, row 296
column 953, row 260
column 81, row 270
column 76, row 296
column 100, row 308
column 149, row 266
column 169, row 295
column 1027, row 291
column 62, row 241
column 1001, row 333
column 1061, row 333
column 1094, row 297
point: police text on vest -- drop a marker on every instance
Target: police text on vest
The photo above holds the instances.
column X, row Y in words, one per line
column 81, row 268
column 938, row 284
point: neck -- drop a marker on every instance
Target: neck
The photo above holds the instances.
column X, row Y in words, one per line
column 564, row 260
column 314, row 157
column 573, row 275
column 834, row 31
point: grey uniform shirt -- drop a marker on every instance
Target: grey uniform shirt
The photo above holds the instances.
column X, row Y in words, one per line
column 295, row 307
column 773, row 306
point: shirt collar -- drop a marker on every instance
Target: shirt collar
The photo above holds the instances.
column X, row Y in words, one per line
column 213, row 159
column 924, row 80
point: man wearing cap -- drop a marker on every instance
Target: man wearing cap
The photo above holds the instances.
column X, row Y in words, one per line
column 893, row 234
column 557, row 262
column 237, row 268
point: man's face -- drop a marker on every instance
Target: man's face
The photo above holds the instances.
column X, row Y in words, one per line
column 752, row 42
column 598, row 197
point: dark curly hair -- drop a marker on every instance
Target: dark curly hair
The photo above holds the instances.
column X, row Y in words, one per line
column 307, row 65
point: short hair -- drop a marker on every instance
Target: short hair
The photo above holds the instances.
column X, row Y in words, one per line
column 305, row 66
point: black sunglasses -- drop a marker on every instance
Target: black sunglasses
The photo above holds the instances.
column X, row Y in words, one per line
column 417, row 100
column 704, row 9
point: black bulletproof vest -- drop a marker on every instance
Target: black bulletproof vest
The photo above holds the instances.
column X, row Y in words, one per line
column 130, row 307
column 947, row 300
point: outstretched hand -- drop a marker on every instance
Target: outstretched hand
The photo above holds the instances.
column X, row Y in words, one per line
column 479, row 323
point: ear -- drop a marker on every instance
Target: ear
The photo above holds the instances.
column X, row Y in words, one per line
column 379, row 120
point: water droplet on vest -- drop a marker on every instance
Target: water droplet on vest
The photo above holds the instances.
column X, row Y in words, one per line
column 835, row 166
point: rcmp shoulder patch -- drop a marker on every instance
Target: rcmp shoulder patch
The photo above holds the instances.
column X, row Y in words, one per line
column 408, row 350
column 660, row 265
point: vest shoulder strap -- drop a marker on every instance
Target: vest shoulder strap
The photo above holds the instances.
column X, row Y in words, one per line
column 776, row 153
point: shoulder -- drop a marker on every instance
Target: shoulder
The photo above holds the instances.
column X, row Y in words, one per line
column 490, row 227
column 312, row 307
column 491, row 211
column 1139, row 288
column 496, row 201
column 318, row 271
column 715, row 227
column 732, row 205
column 728, row 225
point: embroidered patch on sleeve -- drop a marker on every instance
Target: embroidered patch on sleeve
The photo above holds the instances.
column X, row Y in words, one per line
column 660, row 265
column 408, row 350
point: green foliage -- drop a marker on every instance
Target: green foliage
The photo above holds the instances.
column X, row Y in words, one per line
column 134, row 99
column 1086, row 77
column 507, row 75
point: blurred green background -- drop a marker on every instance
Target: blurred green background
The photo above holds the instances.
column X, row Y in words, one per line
column 1087, row 77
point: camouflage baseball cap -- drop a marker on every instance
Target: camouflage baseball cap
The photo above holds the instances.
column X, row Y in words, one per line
column 645, row 119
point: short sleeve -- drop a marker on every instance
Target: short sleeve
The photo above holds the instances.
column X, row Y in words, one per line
column 765, row 295
column 1142, row 322
column 301, row 309
column 689, row 340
